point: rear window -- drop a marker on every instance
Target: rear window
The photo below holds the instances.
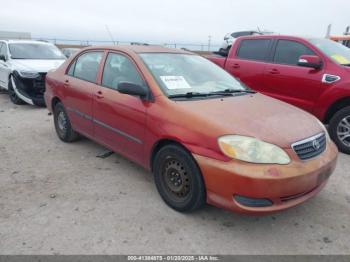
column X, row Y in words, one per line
column 256, row 49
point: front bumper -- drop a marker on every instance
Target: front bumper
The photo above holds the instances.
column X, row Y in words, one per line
column 31, row 90
column 284, row 185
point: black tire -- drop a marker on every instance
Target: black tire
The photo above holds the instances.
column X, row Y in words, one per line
column 12, row 94
column 338, row 129
column 63, row 126
column 174, row 162
column 40, row 103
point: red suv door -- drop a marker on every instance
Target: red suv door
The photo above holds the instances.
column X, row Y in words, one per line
column 249, row 61
column 285, row 80
column 79, row 86
column 119, row 119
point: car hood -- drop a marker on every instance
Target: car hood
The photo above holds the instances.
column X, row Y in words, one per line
column 36, row 65
column 256, row 116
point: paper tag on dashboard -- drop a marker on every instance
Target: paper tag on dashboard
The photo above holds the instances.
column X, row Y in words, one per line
column 175, row 82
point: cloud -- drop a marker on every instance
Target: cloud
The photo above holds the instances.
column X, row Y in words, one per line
column 165, row 21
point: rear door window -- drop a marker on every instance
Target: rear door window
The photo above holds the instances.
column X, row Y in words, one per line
column 86, row 66
column 254, row 49
column 288, row 52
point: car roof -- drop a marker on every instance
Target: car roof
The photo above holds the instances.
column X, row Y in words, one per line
column 20, row 41
column 278, row 37
column 139, row 49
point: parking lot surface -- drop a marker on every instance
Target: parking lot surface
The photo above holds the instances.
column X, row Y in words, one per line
column 58, row 198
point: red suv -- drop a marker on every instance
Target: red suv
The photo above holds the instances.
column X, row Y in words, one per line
column 310, row 73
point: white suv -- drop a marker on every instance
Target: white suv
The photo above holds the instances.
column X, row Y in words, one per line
column 23, row 66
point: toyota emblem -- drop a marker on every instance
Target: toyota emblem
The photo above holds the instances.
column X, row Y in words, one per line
column 316, row 145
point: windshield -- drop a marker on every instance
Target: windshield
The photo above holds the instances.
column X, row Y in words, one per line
column 181, row 73
column 337, row 52
column 34, row 51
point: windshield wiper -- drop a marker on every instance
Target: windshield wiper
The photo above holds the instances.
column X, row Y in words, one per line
column 232, row 91
column 188, row 95
column 345, row 64
column 226, row 92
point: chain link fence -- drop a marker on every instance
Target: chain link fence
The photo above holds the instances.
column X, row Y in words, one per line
column 76, row 42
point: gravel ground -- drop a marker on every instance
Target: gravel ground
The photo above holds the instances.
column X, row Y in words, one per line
column 58, row 198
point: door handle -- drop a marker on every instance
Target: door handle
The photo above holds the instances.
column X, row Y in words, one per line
column 236, row 66
column 274, row 71
column 99, row 94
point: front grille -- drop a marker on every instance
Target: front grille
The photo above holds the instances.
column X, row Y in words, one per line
column 39, row 84
column 310, row 147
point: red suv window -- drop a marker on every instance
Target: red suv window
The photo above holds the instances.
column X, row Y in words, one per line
column 288, row 52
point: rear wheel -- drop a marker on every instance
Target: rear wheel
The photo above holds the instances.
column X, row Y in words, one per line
column 12, row 94
column 339, row 129
column 178, row 179
column 63, row 126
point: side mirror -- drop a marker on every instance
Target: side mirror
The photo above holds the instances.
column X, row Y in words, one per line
column 311, row 61
column 3, row 58
column 134, row 89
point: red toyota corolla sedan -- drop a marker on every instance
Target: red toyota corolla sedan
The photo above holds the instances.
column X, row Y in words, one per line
column 203, row 134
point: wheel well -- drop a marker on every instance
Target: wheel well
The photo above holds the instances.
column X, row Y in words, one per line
column 335, row 107
column 160, row 144
column 54, row 101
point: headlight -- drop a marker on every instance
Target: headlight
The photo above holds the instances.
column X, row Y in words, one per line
column 252, row 150
column 28, row 74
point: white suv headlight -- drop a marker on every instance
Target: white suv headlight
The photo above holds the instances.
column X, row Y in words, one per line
column 252, row 150
column 28, row 74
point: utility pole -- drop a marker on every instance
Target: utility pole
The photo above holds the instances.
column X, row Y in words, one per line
column 209, row 42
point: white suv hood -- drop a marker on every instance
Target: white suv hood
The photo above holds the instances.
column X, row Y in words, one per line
column 35, row 65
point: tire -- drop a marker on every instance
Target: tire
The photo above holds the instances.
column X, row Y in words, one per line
column 339, row 129
column 63, row 126
column 12, row 94
column 178, row 179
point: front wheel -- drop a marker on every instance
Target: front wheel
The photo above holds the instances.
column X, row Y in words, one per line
column 339, row 129
column 178, row 179
column 63, row 126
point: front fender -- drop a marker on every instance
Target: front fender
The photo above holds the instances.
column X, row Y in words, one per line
column 333, row 94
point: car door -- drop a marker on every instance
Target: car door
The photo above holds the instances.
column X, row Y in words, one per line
column 285, row 80
column 79, row 84
column 119, row 119
column 4, row 68
column 249, row 61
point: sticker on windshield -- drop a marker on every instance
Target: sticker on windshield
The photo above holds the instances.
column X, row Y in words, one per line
column 175, row 82
column 340, row 59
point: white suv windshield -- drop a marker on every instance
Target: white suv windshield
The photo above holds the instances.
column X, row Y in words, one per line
column 34, row 51
column 337, row 52
column 181, row 73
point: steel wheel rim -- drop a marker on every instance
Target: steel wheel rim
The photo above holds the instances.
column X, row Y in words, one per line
column 343, row 131
column 62, row 122
column 176, row 180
